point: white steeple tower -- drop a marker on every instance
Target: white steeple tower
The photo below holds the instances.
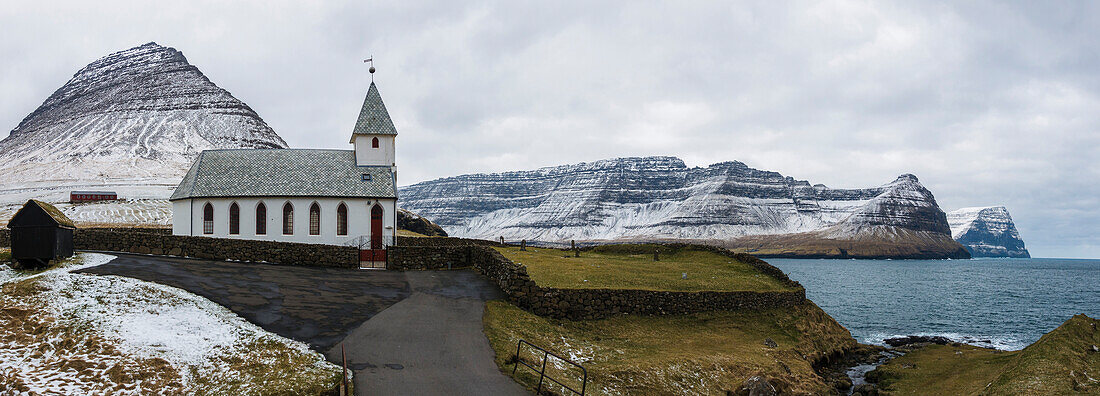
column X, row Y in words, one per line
column 374, row 133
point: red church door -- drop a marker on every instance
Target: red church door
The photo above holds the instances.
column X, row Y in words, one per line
column 376, row 227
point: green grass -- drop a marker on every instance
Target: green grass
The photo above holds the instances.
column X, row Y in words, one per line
column 704, row 353
column 1061, row 362
column 632, row 267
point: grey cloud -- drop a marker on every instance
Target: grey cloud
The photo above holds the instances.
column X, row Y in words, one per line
column 987, row 102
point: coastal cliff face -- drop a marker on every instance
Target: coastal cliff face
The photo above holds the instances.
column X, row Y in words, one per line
column 987, row 232
column 659, row 198
column 132, row 120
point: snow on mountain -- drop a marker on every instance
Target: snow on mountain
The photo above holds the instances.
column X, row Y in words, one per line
column 661, row 198
column 130, row 122
column 987, row 232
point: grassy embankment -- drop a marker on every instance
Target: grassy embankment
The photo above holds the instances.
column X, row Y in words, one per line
column 1061, row 362
column 632, row 267
column 703, row 353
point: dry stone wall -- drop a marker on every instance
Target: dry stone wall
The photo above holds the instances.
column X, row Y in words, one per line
column 577, row 304
column 143, row 241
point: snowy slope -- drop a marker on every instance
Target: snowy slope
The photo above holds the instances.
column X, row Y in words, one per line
column 661, row 198
column 987, row 232
column 130, row 122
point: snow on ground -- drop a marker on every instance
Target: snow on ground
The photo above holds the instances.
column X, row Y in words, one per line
column 69, row 333
column 144, row 212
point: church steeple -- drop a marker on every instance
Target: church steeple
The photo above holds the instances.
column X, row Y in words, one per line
column 374, row 135
column 373, row 118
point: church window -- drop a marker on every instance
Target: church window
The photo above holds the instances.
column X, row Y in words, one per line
column 234, row 219
column 261, row 219
column 315, row 219
column 208, row 219
column 374, row 143
column 342, row 219
column 288, row 219
column 367, row 177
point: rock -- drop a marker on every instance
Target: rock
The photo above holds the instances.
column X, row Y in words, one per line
column 908, row 340
column 756, row 386
column 1095, row 348
column 770, row 343
column 865, row 390
column 987, row 232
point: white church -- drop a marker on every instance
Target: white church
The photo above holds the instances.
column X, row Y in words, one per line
column 336, row 197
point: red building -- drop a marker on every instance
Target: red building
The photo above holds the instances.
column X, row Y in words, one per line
column 89, row 196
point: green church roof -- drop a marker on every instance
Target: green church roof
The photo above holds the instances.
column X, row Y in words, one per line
column 373, row 118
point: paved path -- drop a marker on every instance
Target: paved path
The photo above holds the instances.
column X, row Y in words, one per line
column 405, row 333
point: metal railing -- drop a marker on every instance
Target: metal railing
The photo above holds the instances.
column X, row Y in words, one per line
column 542, row 369
column 365, row 242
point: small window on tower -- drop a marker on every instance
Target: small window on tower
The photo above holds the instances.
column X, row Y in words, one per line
column 366, row 177
column 374, row 143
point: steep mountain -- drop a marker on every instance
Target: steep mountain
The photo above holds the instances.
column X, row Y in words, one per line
column 659, row 198
column 987, row 232
column 131, row 122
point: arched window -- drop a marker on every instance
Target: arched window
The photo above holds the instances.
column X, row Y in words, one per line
column 342, row 219
column 208, row 219
column 234, row 219
column 374, row 143
column 288, row 219
column 261, row 219
column 314, row 219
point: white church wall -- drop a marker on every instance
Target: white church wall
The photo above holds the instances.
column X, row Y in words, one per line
column 365, row 154
column 358, row 218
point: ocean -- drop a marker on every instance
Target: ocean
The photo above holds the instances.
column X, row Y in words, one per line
column 1001, row 303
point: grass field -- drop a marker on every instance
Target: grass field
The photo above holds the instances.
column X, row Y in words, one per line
column 1061, row 362
column 632, row 267
column 705, row 353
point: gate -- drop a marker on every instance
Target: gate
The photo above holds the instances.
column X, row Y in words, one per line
column 372, row 250
column 541, row 368
column 372, row 258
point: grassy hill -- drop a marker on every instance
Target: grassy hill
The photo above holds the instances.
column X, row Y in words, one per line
column 705, row 353
column 1063, row 361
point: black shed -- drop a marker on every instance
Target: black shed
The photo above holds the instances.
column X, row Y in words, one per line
column 40, row 233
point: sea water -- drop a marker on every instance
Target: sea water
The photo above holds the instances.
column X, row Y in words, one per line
column 1000, row 303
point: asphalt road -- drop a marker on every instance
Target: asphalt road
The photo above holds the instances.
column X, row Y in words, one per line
column 404, row 333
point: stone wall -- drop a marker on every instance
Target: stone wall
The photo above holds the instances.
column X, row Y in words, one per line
column 448, row 241
column 144, row 241
column 5, row 237
column 405, row 258
column 576, row 304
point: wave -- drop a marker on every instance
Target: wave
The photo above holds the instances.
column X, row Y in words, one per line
column 1001, row 342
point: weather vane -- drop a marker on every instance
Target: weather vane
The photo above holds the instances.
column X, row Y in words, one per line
column 371, row 70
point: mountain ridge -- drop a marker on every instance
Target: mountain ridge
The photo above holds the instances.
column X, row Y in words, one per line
column 131, row 121
column 660, row 198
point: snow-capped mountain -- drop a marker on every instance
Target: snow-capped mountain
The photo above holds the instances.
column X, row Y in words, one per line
column 130, row 122
column 657, row 198
column 987, row 232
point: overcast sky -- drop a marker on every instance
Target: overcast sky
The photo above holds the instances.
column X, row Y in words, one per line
column 987, row 103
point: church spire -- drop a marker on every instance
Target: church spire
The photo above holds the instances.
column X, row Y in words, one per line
column 373, row 118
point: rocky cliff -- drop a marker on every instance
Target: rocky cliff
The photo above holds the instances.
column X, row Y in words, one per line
column 131, row 122
column 659, row 198
column 987, row 232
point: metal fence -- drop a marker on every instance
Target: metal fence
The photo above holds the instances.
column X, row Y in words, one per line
column 541, row 369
